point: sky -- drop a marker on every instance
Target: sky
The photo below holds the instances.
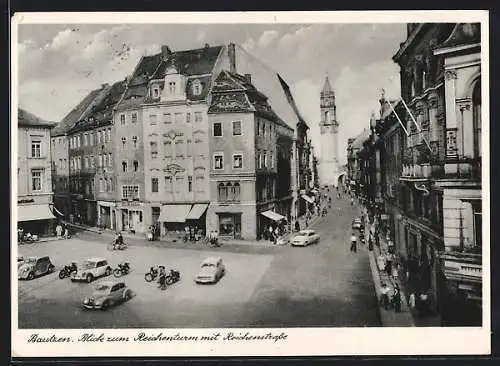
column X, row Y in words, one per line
column 59, row 64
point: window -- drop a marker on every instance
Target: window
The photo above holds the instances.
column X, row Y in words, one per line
column 122, row 119
column 218, row 161
column 124, row 141
column 154, row 185
column 92, row 161
column 85, row 139
column 222, row 192
column 424, row 81
column 263, row 128
column 198, row 117
column 136, row 165
column 169, row 186
column 156, row 92
column 124, row 166
column 234, row 192
column 478, row 228
column 237, row 161
column 130, row 192
column 101, row 161
column 189, row 147
column 152, row 119
column 271, row 159
column 476, row 119
column 178, row 118
column 134, row 117
column 101, row 185
column 108, row 184
column 36, row 180
column 265, row 159
column 154, row 149
column 91, row 139
column 236, row 128
column 85, row 162
column 36, row 149
column 134, row 141
column 258, row 128
column 217, row 129
column 167, row 149
column 188, row 117
column 110, row 160
column 105, row 135
column 178, row 184
column 178, row 148
column 171, row 87
column 190, row 183
column 196, row 87
column 259, row 157
column 109, row 134
column 167, row 118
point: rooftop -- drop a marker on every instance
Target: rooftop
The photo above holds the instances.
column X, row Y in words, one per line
column 26, row 119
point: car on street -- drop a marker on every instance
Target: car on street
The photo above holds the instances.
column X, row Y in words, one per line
column 356, row 223
column 91, row 269
column 20, row 261
column 212, row 269
column 32, row 267
column 305, row 238
column 106, row 294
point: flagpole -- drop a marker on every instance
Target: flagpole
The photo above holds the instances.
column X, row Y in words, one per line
column 399, row 120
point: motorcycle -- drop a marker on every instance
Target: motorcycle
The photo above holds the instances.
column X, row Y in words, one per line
column 67, row 270
column 116, row 246
column 173, row 277
column 122, row 269
column 151, row 275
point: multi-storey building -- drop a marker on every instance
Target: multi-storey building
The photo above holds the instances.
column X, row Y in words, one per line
column 91, row 159
column 354, row 162
column 35, row 212
column 441, row 190
column 250, row 152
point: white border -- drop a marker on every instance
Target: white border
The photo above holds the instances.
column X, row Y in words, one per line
column 300, row 341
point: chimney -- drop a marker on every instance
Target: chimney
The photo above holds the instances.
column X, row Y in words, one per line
column 248, row 77
column 231, row 52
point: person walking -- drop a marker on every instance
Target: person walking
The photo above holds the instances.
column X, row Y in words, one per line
column 66, row 232
column 353, row 242
column 384, row 296
column 59, row 231
column 389, row 259
column 396, row 299
column 297, row 225
column 370, row 242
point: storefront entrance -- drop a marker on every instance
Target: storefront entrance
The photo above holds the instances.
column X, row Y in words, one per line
column 105, row 217
column 230, row 225
column 132, row 220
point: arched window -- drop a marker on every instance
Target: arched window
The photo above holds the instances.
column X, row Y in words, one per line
column 136, row 165
column 229, row 192
column 236, row 191
column 222, row 192
column 108, row 185
column 476, row 118
column 124, row 166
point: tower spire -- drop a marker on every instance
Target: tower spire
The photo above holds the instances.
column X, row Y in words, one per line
column 327, row 87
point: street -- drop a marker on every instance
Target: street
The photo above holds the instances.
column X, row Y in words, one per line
column 322, row 285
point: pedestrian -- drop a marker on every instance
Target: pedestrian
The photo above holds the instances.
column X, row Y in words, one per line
column 276, row 232
column 66, row 232
column 370, row 242
column 353, row 242
column 297, row 225
column 388, row 264
column 381, row 262
column 59, row 230
column 384, row 296
column 411, row 301
column 395, row 271
column 270, row 232
column 396, row 299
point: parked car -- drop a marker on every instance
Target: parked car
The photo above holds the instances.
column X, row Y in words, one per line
column 91, row 269
column 305, row 238
column 356, row 223
column 20, row 261
column 211, row 271
column 32, row 267
column 106, row 294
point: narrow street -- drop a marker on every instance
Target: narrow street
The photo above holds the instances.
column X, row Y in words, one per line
column 323, row 285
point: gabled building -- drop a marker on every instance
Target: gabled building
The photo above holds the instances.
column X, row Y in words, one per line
column 35, row 212
column 250, row 151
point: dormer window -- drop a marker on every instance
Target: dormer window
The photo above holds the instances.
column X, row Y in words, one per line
column 171, row 87
column 196, row 87
column 156, row 92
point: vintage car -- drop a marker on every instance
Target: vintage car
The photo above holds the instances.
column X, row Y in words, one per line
column 357, row 223
column 20, row 261
column 211, row 271
column 32, row 267
column 305, row 238
column 91, row 269
column 106, row 294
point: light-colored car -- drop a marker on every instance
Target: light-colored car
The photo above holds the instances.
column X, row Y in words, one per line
column 356, row 223
column 106, row 294
column 32, row 267
column 211, row 271
column 305, row 238
column 91, row 269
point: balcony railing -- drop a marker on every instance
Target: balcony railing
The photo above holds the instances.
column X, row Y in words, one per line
column 463, row 266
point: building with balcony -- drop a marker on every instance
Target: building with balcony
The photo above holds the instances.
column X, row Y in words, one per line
column 250, row 153
column 35, row 213
column 355, row 163
column 441, row 172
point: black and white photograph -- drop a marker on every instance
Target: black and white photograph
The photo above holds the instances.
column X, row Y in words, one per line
column 250, row 180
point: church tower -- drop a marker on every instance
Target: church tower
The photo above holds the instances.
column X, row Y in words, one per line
column 329, row 164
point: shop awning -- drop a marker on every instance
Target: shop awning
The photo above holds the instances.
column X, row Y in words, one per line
column 34, row 212
column 307, row 198
column 174, row 213
column 54, row 209
column 197, row 211
column 273, row 215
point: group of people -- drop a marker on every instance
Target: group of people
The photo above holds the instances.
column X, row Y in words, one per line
column 276, row 232
column 213, row 238
column 387, row 299
column 62, row 231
